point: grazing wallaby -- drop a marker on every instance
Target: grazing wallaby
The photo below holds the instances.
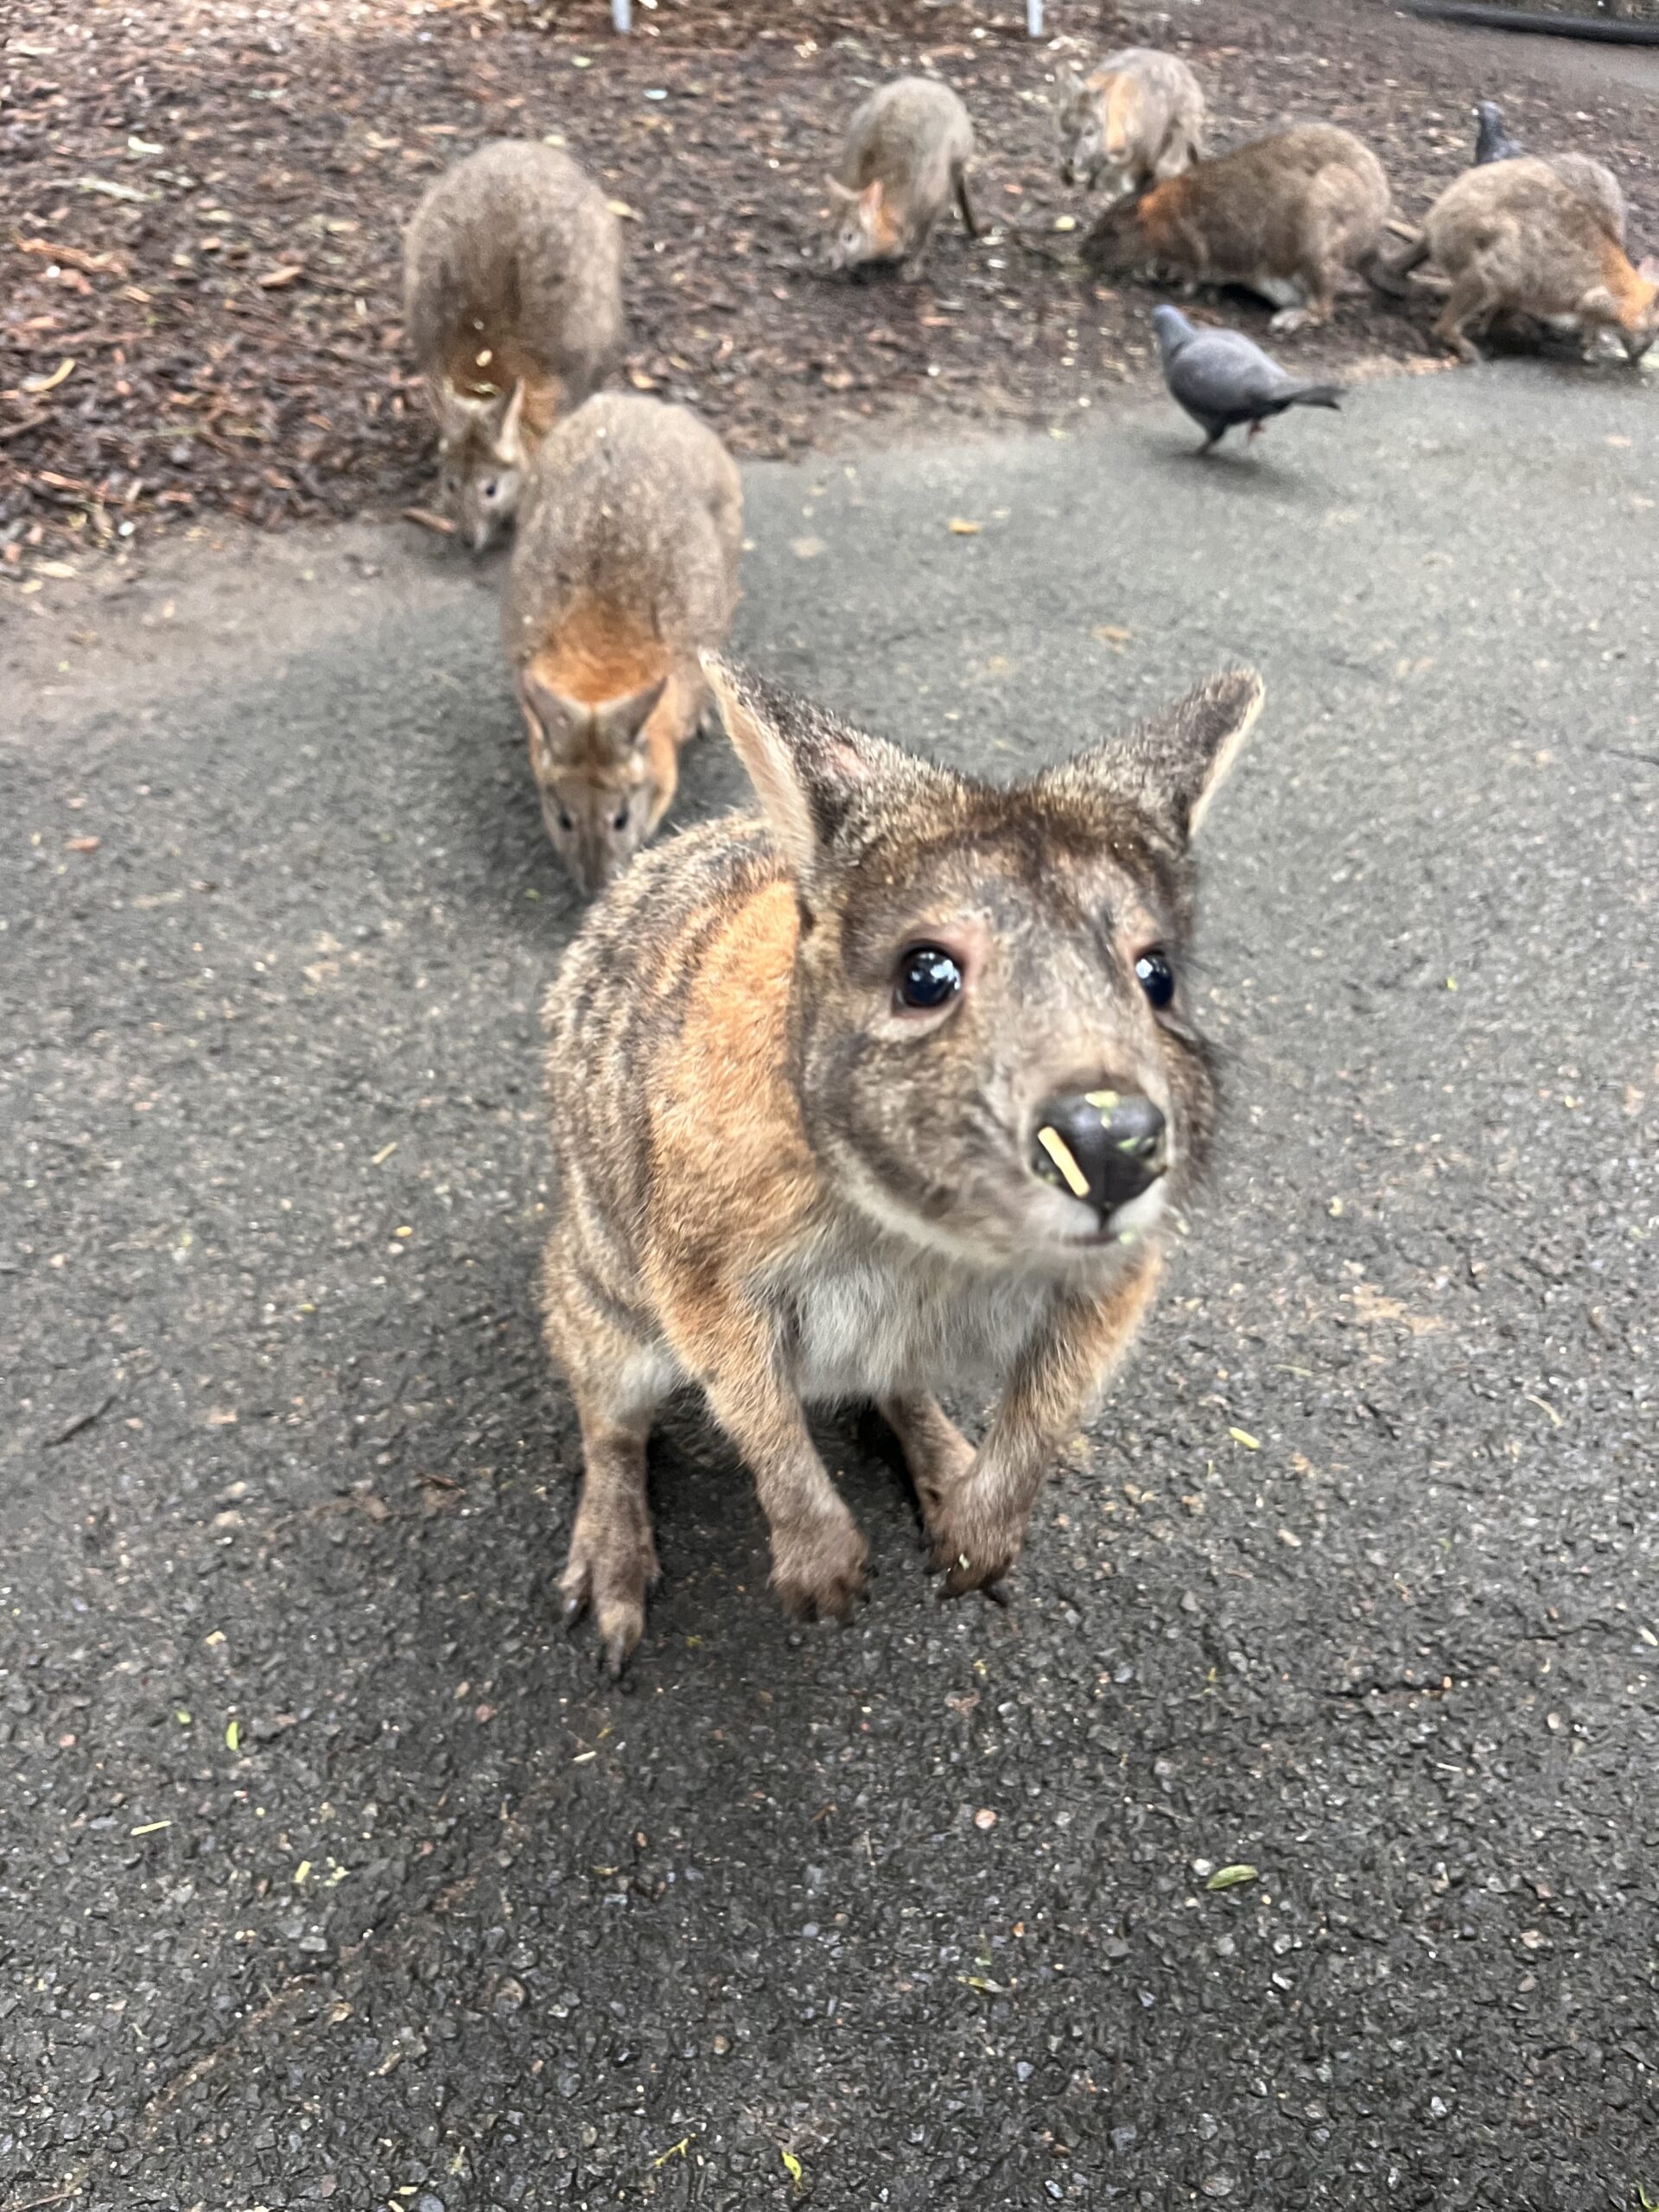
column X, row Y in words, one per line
column 893, row 1090
column 1514, row 237
column 1286, row 216
column 512, row 303
column 1593, row 179
column 626, row 567
column 1139, row 115
column 907, row 151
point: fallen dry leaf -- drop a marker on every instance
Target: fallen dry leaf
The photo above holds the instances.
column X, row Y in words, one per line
column 961, row 529
column 81, row 844
column 60, row 375
column 442, row 524
column 273, row 279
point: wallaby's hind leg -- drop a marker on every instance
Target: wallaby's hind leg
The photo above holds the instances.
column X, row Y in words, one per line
column 1470, row 300
column 910, row 268
column 959, row 179
column 936, row 1453
column 613, row 1560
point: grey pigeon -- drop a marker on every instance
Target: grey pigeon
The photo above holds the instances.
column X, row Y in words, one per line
column 1223, row 378
column 1492, row 142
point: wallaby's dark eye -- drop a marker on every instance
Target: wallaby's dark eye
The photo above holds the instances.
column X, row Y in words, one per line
column 565, row 822
column 489, row 487
column 1155, row 977
column 620, row 819
column 927, row 978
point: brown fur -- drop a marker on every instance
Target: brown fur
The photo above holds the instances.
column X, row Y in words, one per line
column 1137, row 118
column 777, row 1181
column 1291, row 213
column 513, row 307
column 1514, row 237
column 626, row 568
column 907, row 151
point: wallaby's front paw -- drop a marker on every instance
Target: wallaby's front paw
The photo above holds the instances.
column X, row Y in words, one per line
column 1291, row 320
column 974, row 1548
column 819, row 1571
column 610, row 1575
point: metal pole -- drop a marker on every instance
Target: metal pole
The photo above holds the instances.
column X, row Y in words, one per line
column 622, row 15
column 1034, row 18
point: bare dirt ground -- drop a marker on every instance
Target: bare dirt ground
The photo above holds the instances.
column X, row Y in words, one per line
column 202, row 203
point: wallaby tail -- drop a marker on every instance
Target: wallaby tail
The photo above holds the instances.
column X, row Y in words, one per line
column 1319, row 395
column 1386, row 272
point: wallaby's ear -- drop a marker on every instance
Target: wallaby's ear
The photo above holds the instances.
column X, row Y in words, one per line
column 841, row 191
column 809, row 770
column 1172, row 765
column 1598, row 301
column 509, row 444
column 869, row 201
column 552, row 720
column 618, row 723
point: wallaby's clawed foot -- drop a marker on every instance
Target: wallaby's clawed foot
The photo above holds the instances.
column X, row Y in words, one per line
column 818, row 1569
column 975, row 1545
column 1291, row 320
column 608, row 1573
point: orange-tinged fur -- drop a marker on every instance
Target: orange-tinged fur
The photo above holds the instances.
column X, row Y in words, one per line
column 1634, row 293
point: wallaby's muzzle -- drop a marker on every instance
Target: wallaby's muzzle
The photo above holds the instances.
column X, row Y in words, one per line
column 1105, row 1146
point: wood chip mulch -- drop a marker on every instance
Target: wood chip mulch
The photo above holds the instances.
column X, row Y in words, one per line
column 202, row 207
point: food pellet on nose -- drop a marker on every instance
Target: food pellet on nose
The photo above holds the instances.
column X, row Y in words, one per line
column 1104, row 1100
column 1060, row 1152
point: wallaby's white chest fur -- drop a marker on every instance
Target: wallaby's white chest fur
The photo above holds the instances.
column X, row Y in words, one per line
column 872, row 1325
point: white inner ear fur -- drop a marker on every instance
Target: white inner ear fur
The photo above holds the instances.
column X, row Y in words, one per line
column 509, row 448
column 1227, row 752
column 770, row 768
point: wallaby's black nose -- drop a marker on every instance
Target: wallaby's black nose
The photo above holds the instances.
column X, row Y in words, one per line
column 1103, row 1145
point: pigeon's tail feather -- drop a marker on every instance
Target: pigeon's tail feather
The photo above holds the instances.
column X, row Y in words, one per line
column 1318, row 395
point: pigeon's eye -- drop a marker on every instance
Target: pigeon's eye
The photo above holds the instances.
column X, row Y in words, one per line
column 1155, row 977
column 928, row 978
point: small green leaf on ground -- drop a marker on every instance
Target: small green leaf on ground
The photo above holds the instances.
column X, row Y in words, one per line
column 1242, row 1436
column 793, row 2168
column 1230, row 1878
column 233, row 1736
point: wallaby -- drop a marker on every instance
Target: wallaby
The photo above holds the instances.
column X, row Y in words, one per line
column 895, row 1089
column 907, row 151
column 626, row 565
column 1514, row 237
column 1288, row 217
column 1138, row 117
column 1593, row 179
column 513, row 304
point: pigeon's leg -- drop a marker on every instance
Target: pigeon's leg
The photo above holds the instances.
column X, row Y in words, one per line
column 1255, row 431
column 1217, row 432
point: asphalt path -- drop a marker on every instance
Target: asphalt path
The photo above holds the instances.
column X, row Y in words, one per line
column 330, row 1871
